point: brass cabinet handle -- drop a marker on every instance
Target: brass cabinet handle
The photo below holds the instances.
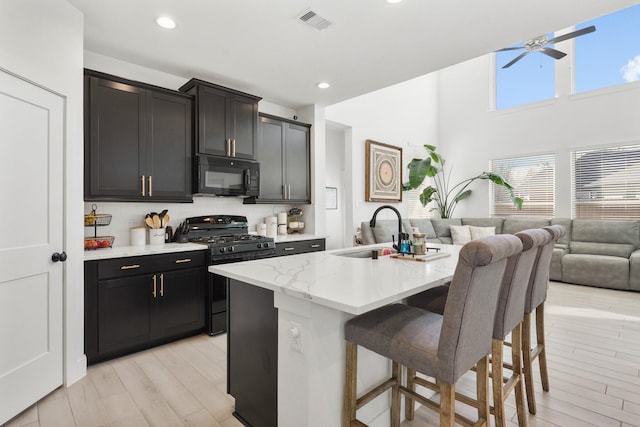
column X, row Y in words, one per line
column 289, row 249
column 233, row 148
column 314, row 246
column 142, row 180
column 182, row 261
column 227, row 147
column 129, row 267
column 150, row 186
column 154, row 285
column 162, row 285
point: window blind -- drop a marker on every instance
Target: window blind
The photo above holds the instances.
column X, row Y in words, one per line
column 606, row 183
column 532, row 178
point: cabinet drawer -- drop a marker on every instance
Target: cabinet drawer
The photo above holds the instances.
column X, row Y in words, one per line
column 129, row 266
column 300, row 247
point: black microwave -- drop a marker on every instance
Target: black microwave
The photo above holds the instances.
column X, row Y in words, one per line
column 227, row 176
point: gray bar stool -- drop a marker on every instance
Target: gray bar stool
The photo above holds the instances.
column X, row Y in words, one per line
column 509, row 317
column 536, row 296
column 443, row 347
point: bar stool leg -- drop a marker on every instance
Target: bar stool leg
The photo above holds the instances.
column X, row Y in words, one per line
column 350, row 385
column 497, row 346
column 516, row 357
column 395, row 395
column 409, row 406
column 447, row 405
column 528, row 363
column 542, row 349
column 482, row 389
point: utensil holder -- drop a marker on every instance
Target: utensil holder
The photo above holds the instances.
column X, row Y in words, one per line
column 156, row 236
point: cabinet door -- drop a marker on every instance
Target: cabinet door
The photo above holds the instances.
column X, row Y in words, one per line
column 297, row 171
column 125, row 313
column 213, row 122
column 181, row 302
column 244, row 125
column 271, row 157
column 114, row 136
column 169, row 147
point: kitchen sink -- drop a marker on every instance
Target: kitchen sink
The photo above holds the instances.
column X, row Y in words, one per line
column 363, row 253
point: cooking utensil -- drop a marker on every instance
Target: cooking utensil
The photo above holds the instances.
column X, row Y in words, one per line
column 156, row 221
column 164, row 220
column 161, row 215
column 149, row 221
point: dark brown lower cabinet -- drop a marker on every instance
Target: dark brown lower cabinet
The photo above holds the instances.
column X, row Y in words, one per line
column 252, row 354
column 137, row 302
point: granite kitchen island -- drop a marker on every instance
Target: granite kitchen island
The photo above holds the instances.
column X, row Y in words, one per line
column 286, row 344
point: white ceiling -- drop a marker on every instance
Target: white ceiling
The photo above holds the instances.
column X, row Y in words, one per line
column 260, row 47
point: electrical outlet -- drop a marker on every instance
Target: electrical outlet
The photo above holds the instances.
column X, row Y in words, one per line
column 295, row 333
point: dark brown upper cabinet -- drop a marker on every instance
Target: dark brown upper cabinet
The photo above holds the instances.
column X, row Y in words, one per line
column 138, row 141
column 226, row 120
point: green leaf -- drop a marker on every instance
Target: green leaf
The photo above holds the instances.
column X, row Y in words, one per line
column 418, row 171
column 462, row 196
column 427, row 195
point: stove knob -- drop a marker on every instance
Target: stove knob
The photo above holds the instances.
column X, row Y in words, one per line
column 221, row 250
column 230, row 249
column 259, row 245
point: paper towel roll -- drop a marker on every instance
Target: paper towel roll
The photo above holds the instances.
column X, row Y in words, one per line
column 282, row 218
column 261, row 229
column 282, row 229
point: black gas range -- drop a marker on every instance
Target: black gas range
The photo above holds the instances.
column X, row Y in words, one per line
column 228, row 241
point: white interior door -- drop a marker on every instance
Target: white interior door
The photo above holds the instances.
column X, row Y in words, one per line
column 31, row 217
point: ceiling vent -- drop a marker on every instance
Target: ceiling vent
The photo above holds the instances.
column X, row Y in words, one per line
column 311, row 18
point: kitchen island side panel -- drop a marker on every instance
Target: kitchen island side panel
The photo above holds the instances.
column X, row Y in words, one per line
column 252, row 355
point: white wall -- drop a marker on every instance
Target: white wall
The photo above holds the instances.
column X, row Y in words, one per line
column 399, row 115
column 127, row 215
column 41, row 40
column 335, row 177
column 471, row 135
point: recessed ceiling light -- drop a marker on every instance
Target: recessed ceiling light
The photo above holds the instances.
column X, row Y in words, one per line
column 393, row 1
column 323, row 85
column 166, row 22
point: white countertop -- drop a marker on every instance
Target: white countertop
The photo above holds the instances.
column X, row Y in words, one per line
column 125, row 251
column 352, row 285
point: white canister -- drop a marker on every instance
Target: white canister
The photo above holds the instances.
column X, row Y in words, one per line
column 282, row 218
column 156, row 236
column 138, row 236
column 261, row 229
column 272, row 230
column 270, row 220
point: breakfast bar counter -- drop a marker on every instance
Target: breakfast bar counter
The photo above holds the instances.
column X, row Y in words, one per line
column 286, row 344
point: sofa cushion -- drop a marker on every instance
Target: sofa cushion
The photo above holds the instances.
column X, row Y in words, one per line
column 478, row 232
column 634, row 271
column 514, row 225
column 566, row 223
column 460, row 234
column 610, row 249
column 606, row 231
column 555, row 268
column 425, row 226
column 385, row 228
column 485, row 222
column 596, row 270
column 441, row 226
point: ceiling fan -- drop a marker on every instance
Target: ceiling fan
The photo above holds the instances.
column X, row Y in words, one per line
column 539, row 44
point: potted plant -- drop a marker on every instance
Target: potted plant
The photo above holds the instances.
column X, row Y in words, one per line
column 445, row 195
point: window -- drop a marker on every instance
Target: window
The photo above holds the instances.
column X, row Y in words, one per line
column 611, row 55
column 414, row 207
column 531, row 79
column 606, row 183
column 532, row 178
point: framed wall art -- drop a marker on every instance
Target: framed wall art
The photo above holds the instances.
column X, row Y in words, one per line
column 383, row 172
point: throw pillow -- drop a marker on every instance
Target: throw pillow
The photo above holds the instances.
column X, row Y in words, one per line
column 477, row 232
column 460, row 234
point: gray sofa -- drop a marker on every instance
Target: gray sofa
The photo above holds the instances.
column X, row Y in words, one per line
column 602, row 253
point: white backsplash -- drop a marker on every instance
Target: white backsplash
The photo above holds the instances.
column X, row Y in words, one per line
column 126, row 215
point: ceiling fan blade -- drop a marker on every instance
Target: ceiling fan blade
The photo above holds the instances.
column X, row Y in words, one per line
column 517, row 58
column 555, row 54
column 573, row 34
column 511, row 48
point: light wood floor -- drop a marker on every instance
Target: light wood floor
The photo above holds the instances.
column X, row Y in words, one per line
column 593, row 339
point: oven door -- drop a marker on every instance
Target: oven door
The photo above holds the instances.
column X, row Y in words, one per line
column 217, row 290
column 222, row 176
